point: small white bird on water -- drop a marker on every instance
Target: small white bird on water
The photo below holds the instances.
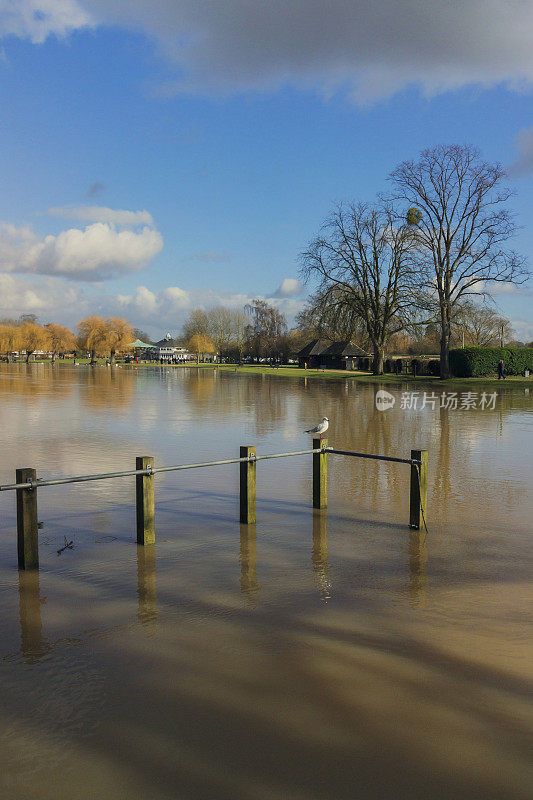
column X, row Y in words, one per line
column 321, row 427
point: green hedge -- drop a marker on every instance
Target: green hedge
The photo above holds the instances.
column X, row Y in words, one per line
column 478, row 362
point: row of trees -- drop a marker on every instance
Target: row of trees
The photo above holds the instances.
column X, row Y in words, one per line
column 99, row 336
column 258, row 330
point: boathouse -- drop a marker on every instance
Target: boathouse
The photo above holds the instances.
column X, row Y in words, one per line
column 324, row 354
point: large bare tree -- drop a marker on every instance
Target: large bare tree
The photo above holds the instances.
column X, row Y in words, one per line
column 363, row 262
column 457, row 203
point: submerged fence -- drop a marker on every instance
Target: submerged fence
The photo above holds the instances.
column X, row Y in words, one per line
column 26, row 486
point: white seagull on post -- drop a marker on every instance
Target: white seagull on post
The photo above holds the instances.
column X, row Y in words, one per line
column 321, row 427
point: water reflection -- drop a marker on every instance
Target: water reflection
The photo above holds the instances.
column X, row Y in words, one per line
column 107, row 388
column 418, row 556
column 248, row 564
column 319, row 554
column 146, row 584
column 33, row 645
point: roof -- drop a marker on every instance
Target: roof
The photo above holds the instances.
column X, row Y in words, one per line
column 323, row 347
column 167, row 343
column 314, row 348
column 138, row 343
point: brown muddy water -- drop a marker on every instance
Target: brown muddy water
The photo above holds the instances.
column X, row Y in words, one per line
column 313, row 656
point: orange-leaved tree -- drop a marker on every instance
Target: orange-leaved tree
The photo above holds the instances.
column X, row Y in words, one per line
column 119, row 335
column 32, row 337
column 201, row 344
column 93, row 336
column 60, row 339
column 10, row 340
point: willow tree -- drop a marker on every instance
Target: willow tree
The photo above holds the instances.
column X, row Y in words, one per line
column 119, row 336
column 10, row 339
column 363, row 263
column 327, row 315
column 32, row 337
column 93, row 336
column 458, row 208
column 60, row 339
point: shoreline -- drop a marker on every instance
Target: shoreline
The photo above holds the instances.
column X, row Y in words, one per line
column 314, row 374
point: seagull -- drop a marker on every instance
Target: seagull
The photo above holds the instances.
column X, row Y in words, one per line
column 321, row 427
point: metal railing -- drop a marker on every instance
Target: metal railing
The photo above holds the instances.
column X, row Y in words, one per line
column 27, row 484
column 38, row 482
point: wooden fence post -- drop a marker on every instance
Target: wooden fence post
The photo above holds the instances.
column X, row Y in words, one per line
column 247, row 485
column 320, row 474
column 145, row 502
column 419, row 489
column 27, row 528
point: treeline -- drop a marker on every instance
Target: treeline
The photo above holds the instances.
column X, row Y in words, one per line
column 95, row 335
column 257, row 331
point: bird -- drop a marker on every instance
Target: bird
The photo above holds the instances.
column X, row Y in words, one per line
column 321, row 427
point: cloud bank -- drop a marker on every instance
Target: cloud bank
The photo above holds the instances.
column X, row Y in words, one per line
column 55, row 299
column 368, row 50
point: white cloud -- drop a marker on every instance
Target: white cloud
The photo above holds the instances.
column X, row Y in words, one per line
column 147, row 306
column 501, row 288
column 523, row 329
column 289, row 287
column 38, row 19
column 97, row 252
column 369, row 50
column 103, row 214
column 523, row 165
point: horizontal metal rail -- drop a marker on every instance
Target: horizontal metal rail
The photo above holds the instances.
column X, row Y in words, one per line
column 149, row 471
column 368, row 455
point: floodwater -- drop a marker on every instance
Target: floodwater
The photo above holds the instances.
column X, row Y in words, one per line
column 315, row 655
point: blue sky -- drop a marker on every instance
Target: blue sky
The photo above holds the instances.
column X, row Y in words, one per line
column 155, row 162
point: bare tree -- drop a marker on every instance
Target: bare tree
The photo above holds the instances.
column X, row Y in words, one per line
column 265, row 330
column 481, row 326
column 221, row 327
column 196, row 323
column 458, row 208
column 363, row 263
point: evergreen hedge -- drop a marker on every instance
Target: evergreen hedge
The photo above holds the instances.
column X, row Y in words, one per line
column 479, row 362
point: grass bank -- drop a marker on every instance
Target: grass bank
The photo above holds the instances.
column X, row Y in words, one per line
column 336, row 374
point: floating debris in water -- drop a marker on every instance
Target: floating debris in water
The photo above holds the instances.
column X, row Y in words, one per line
column 104, row 539
column 40, row 525
column 67, row 546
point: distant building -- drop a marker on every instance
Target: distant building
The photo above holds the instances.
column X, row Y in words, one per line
column 169, row 350
column 321, row 353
